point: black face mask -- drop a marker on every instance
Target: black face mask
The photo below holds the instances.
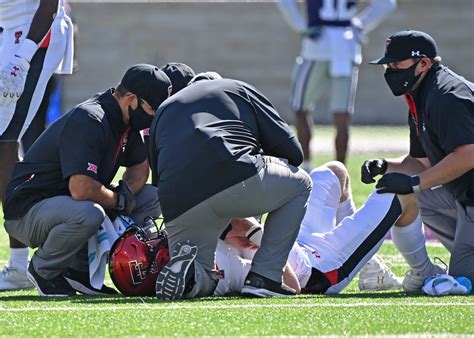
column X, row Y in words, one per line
column 401, row 81
column 139, row 119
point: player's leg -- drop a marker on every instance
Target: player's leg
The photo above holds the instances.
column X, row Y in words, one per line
column 308, row 84
column 13, row 276
column 343, row 89
column 38, row 125
column 323, row 203
column 339, row 255
column 342, row 121
column 438, row 211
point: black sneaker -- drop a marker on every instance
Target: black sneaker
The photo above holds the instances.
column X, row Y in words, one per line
column 174, row 277
column 80, row 282
column 256, row 285
column 54, row 287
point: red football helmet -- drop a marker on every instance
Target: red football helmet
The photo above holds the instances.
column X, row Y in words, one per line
column 137, row 257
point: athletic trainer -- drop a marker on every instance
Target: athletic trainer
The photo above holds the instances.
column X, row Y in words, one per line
column 58, row 195
column 439, row 166
column 221, row 151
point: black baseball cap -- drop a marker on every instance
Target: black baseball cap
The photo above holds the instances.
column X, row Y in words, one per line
column 179, row 73
column 407, row 44
column 147, row 82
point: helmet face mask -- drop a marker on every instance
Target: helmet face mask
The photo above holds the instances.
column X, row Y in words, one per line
column 136, row 258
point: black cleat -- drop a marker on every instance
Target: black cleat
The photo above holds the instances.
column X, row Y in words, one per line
column 172, row 279
column 54, row 287
column 80, row 282
column 256, row 285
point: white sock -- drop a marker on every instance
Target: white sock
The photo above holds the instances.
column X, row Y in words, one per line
column 346, row 208
column 19, row 258
column 410, row 241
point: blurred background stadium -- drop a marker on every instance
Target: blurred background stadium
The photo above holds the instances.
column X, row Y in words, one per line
column 248, row 40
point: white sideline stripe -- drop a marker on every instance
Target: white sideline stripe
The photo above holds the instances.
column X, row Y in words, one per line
column 241, row 306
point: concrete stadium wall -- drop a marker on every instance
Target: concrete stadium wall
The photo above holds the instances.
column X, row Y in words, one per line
column 249, row 41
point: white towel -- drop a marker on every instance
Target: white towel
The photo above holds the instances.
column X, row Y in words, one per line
column 443, row 284
column 99, row 245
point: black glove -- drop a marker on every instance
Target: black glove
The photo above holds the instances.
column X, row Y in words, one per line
column 372, row 168
column 125, row 200
column 398, row 183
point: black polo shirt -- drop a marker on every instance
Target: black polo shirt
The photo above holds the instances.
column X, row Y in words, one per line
column 210, row 136
column 91, row 140
column 441, row 119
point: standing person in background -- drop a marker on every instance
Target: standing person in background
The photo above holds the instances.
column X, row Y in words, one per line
column 36, row 41
column 440, row 165
column 330, row 53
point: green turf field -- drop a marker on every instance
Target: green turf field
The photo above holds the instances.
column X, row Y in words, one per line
column 351, row 313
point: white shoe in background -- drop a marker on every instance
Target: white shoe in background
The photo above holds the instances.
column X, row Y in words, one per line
column 14, row 279
column 376, row 276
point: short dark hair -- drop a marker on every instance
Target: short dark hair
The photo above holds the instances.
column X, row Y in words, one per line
column 121, row 90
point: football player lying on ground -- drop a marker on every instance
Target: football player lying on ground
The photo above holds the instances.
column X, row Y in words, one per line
column 324, row 262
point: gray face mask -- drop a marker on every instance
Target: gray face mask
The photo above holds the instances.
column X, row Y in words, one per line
column 401, row 81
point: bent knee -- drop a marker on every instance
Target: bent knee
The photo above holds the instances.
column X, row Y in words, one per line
column 91, row 215
column 340, row 170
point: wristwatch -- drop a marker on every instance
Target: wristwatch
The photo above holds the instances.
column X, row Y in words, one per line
column 120, row 202
column 415, row 183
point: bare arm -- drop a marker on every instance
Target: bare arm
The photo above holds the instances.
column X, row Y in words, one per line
column 408, row 165
column 42, row 20
column 456, row 164
column 84, row 188
column 237, row 234
column 136, row 176
column 292, row 15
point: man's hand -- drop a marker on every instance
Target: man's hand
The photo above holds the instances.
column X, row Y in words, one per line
column 372, row 168
column 398, row 183
column 12, row 80
column 126, row 199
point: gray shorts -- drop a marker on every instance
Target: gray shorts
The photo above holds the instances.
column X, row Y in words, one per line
column 453, row 224
column 311, row 79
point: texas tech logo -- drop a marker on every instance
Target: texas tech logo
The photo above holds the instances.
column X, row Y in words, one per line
column 137, row 271
column 18, row 36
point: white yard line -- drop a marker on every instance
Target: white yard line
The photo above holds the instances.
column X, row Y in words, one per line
column 140, row 307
